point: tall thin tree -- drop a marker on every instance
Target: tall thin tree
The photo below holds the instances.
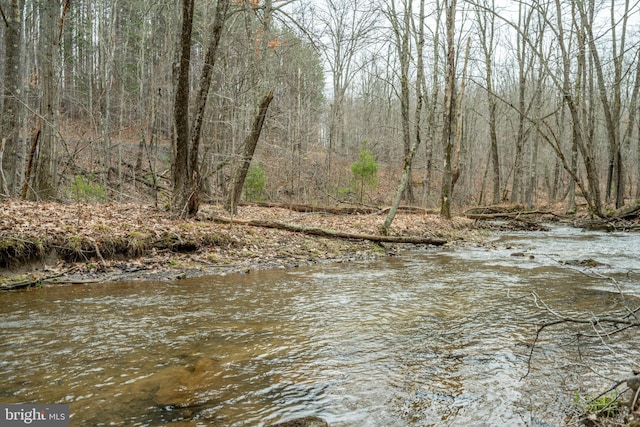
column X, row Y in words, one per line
column 448, row 132
column 9, row 120
column 45, row 183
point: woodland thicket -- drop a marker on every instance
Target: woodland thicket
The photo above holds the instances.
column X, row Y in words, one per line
column 456, row 102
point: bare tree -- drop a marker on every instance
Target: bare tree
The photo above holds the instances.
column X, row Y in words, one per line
column 250, row 144
column 182, row 175
column 433, row 102
column 537, row 105
column 633, row 121
column 486, row 33
column 260, row 81
column 562, row 72
column 400, row 23
column 583, row 141
column 525, row 62
column 448, row 132
column 455, row 163
column 610, row 95
column 9, row 120
column 186, row 179
column 405, row 179
column 347, row 26
column 45, row 183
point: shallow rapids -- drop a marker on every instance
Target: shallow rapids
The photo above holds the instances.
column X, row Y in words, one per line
column 431, row 337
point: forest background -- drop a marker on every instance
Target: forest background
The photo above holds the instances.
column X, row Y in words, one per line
column 438, row 103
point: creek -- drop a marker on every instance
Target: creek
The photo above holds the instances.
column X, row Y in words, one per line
column 428, row 337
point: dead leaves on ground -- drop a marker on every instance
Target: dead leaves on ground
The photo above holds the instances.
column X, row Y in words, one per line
column 99, row 237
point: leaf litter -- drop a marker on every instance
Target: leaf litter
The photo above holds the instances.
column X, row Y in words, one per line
column 49, row 242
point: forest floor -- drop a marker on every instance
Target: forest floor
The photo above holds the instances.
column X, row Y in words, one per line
column 52, row 243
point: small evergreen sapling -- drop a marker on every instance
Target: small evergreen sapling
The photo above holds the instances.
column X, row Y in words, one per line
column 364, row 172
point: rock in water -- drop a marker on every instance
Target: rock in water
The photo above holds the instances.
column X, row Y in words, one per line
column 302, row 422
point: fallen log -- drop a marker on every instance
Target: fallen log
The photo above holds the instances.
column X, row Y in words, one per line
column 340, row 210
column 346, row 210
column 505, row 215
column 29, row 283
column 627, row 212
column 315, row 231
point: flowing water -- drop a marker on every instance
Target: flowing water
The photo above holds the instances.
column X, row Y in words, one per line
column 431, row 337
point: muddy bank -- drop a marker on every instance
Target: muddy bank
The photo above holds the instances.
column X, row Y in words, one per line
column 52, row 243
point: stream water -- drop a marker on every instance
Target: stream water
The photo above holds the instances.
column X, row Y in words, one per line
column 430, row 337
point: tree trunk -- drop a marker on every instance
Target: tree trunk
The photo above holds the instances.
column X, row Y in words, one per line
column 46, row 164
column 250, row 144
column 9, row 122
column 633, row 119
column 30, row 161
column 571, row 204
column 401, row 187
column 610, row 109
column 524, row 18
column 449, row 110
column 181, row 172
column 201, row 103
column 537, row 104
column 404, row 54
column 532, row 178
column 432, row 107
column 585, row 147
column 406, row 170
column 455, row 166
column 486, row 22
column 638, row 163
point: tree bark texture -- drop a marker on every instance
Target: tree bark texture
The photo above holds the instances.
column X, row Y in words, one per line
column 10, row 112
column 449, row 111
column 45, row 183
column 182, row 189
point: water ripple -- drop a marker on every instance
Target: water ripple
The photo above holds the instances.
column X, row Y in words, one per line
column 433, row 338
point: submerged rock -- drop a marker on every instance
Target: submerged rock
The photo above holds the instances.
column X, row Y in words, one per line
column 302, row 422
column 180, row 386
column 591, row 263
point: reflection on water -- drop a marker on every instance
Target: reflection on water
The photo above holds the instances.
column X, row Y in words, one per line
column 428, row 338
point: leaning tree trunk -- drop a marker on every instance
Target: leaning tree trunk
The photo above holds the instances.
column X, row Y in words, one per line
column 201, row 104
column 405, row 179
column 250, row 143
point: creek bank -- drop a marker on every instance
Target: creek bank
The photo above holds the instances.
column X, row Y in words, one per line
column 53, row 243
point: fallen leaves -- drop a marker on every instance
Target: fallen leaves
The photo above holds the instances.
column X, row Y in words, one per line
column 95, row 239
